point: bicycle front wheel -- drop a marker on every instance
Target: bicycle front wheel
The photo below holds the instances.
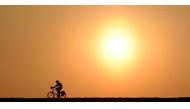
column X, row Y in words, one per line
column 51, row 95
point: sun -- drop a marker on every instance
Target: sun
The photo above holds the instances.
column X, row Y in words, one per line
column 116, row 47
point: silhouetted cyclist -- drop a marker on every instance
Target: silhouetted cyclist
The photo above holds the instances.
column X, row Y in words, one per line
column 58, row 87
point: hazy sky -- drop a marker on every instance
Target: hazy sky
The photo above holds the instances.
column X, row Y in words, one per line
column 40, row 44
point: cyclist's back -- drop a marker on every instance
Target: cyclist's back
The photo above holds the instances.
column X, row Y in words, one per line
column 59, row 85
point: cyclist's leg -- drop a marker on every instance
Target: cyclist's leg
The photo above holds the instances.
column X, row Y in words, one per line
column 58, row 92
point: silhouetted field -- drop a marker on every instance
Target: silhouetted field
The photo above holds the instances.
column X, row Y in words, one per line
column 181, row 99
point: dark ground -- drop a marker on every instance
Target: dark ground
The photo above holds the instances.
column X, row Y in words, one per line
column 180, row 99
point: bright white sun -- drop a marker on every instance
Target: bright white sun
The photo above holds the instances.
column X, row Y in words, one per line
column 116, row 47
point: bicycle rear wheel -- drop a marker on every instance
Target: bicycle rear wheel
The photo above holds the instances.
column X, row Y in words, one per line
column 51, row 95
column 63, row 95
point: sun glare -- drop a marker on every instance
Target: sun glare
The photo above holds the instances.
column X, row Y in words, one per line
column 116, row 48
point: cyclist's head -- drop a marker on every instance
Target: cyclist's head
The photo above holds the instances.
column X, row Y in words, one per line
column 57, row 81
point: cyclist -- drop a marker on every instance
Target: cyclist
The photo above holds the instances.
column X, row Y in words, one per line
column 58, row 87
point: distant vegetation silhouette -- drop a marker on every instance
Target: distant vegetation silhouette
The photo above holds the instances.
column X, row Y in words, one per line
column 180, row 99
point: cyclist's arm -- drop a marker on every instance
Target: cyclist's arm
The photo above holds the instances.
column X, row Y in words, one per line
column 55, row 86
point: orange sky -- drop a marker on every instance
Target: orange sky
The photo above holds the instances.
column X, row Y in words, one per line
column 40, row 44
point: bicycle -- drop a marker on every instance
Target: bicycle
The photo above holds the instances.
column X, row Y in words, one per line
column 53, row 93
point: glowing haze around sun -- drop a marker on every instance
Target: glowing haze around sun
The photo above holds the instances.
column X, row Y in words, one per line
column 117, row 47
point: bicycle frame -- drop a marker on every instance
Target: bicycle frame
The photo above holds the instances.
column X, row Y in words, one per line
column 54, row 91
